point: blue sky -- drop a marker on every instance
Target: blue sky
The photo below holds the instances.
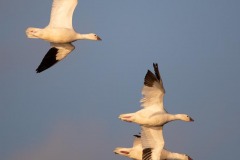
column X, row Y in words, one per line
column 70, row 110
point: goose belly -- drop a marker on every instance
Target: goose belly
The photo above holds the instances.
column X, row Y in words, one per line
column 150, row 118
column 59, row 35
column 157, row 119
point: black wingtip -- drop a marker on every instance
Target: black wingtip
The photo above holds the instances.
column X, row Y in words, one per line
column 48, row 60
column 155, row 65
column 138, row 136
column 149, row 79
column 147, row 154
column 156, row 70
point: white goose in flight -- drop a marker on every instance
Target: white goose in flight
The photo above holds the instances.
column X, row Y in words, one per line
column 153, row 116
column 59, row 33
column 153, row 112
column 135, row 152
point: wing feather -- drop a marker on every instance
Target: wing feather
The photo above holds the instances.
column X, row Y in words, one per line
column 56, row 53
column 62, row 13
column 147, row 154
column 153, row 90
column 152, row 142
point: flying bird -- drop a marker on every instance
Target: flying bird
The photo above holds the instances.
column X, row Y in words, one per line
column 59, row 32
column 135, row 152
column 153, row 112
column 153, row 116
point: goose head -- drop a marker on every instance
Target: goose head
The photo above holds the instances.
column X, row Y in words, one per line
column 184, row 117
column 90, row 36
column 186, row 157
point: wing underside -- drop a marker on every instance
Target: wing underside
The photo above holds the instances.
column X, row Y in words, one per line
column 56, row 53
column 62, row 13
column 153, row 90
column 152, row 142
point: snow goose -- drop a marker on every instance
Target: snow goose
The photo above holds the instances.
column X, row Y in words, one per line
column 59, row 33
column 153, row 112
column 136, row 152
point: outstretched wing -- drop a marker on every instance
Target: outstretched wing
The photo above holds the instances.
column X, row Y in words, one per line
column 56, row 53
column 61, row 14
column 152, row 142
column 153, row 90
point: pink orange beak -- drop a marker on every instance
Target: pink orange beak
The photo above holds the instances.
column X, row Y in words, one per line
column 98, row 38
column 191, row 120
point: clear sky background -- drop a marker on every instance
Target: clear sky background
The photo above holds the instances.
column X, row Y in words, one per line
column 69, row 112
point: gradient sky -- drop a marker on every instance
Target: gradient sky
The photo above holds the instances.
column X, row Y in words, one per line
column 69, row 112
